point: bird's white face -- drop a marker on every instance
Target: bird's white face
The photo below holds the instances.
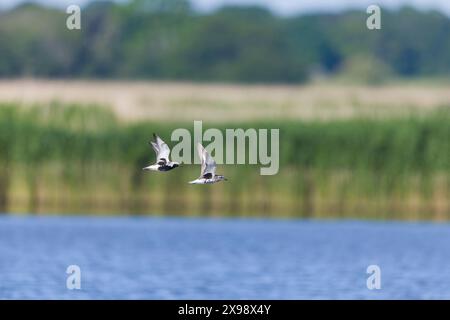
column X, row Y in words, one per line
column 220, row 178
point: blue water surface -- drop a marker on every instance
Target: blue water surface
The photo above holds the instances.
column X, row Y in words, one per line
column 175, row 258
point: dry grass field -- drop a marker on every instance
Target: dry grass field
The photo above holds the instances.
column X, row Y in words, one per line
column 223, row 102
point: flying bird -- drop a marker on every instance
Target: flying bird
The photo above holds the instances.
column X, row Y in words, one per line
column 208, row 170
column 162, row 151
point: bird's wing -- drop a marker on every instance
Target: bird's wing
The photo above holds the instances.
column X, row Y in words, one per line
column 161, row 148
column 208, row 164
column 154, row 147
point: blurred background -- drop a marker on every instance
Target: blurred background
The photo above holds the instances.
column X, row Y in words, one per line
column 364, row 115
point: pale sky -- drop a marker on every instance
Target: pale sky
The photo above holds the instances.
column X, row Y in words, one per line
column 281, row 6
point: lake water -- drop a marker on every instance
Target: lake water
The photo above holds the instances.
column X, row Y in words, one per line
column 164, row 258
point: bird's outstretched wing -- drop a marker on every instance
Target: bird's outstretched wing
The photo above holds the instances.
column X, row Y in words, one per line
column 161, row 149
column 208, row 170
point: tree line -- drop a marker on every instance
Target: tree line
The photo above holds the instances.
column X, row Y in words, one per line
column 170, row 40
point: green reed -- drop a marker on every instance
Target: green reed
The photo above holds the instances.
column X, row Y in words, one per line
column 70, row 158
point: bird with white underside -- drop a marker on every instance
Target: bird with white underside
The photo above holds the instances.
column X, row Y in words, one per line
column 162, row 151
column 208, row 169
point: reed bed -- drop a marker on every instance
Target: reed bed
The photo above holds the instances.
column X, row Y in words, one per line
column 67, row 158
